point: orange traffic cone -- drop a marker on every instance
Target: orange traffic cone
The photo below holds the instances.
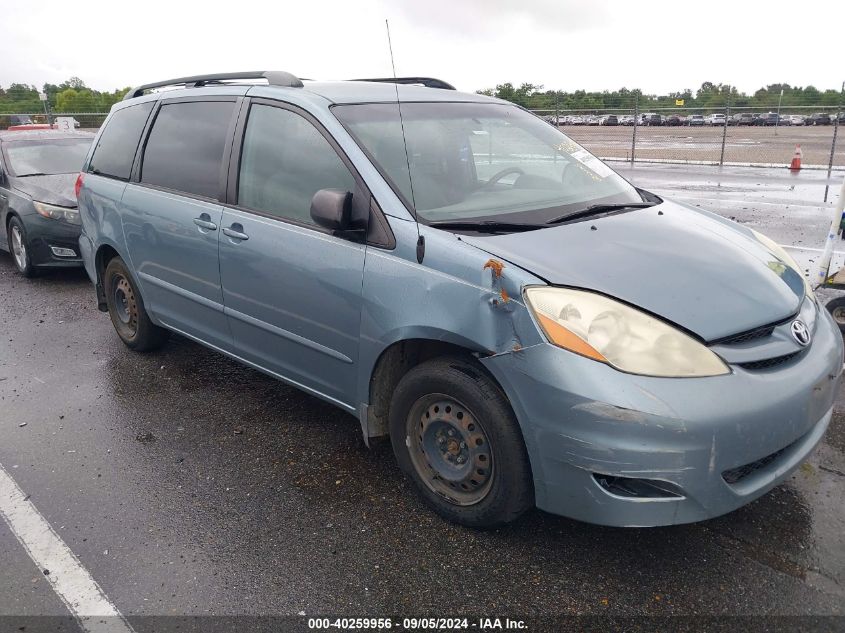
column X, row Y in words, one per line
column 795, row 165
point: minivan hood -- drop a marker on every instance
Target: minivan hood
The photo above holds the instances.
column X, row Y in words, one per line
column 55, row 189
column 693, row 268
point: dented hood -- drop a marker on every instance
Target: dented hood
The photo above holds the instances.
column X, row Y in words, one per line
column 693, row 268
column 53, row 189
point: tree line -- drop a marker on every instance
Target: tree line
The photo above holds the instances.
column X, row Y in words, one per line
column 709, row 96
column 69, row 96
column 74, row 96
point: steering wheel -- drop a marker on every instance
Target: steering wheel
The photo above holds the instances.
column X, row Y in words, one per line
column 501, row 174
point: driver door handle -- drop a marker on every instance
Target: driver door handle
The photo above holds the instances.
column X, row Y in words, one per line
column 236, row 232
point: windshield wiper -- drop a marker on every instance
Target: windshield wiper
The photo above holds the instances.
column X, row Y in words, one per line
column 486, row 226
column 596, row 209
column 37, row 173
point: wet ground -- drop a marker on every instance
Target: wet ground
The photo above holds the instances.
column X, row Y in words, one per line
column 187, row 484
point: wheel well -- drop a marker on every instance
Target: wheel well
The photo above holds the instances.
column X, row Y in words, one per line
column 395, row 362
column 104, row 255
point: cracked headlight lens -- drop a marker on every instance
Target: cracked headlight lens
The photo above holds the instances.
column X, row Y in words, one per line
column 611, row 332
column 67, row 214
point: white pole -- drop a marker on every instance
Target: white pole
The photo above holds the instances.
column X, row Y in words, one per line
column 832, row 236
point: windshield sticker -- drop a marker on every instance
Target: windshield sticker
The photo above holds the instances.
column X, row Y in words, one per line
column 592, row 163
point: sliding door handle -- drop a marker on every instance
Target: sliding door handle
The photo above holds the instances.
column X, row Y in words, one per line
column 204, row 222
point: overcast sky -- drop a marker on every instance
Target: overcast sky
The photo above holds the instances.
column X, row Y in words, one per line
column 656, row 45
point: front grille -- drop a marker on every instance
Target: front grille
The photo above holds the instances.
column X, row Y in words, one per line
column 751, row 335
column 735, row 475
column 769, row 362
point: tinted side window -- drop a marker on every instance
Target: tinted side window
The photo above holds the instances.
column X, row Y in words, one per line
column 185, row 148
column 284, row 162
column 116, row 146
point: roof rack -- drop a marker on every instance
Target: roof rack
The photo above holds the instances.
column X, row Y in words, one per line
column 428, row 82
column 273, row 77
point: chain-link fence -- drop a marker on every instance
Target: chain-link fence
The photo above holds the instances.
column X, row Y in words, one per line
column 729, row 136
column 90, row 121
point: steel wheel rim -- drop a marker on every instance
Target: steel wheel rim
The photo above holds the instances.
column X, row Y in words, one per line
column 838, row 314
column 18, row 248
column 450, row 450
column 125, row 307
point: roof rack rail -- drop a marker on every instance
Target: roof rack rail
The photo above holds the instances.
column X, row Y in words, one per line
column 428, row 82
column 273, row 77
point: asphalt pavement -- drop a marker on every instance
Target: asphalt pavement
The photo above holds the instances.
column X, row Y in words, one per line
column 186, row 484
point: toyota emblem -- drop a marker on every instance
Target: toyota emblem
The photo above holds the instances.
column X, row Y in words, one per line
column 800, row 333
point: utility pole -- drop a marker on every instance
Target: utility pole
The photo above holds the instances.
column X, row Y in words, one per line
column 833, row 143
column 725, row 129
column 636, row 116
column 777, row 118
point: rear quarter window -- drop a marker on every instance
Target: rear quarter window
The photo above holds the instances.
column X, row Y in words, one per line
column 116, row 146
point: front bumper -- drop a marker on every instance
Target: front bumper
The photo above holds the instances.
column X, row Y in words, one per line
column 44, row 233
column 581, row 418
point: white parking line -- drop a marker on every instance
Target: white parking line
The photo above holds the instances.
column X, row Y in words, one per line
column 69, row 579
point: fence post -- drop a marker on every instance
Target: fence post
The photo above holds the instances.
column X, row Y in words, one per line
column 557, row 111
column 725, row 129
column 833, row 142
column 636, row 116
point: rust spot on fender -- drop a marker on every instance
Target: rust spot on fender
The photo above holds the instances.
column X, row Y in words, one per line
column 496, row 266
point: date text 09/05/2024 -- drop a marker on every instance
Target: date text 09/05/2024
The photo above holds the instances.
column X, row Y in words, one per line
column 416, row 624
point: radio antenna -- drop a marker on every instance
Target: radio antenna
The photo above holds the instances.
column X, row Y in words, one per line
column 420, row 238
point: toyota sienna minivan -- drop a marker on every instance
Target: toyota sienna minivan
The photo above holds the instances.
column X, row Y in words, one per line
column 526, row 326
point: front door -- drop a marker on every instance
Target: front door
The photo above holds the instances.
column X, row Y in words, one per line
column 292, row 291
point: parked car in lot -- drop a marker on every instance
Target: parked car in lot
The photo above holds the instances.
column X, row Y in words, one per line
column 768, row 119
column 609, row 119
column 695, row 119
column 796, row 119
column 716, row 119
column 819, row 118
column 576, row 120
column 672, row 120
column 592, row 120
column 743, row 118
column 472, row 284
column 39, row 222
column 650, row 118
column 626, row 120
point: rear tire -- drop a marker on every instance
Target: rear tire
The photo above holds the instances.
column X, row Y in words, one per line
column 127, row 312
column 455, row 435
column 19, row 247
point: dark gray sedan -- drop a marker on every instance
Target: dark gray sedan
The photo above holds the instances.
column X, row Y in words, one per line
column 39, row 222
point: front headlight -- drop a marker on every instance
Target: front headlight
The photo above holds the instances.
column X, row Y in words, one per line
column 51, row 211
column 611, row 332
column 779, row 252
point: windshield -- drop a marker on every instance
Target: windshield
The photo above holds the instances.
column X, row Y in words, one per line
column 43, row 156
column 478, row 161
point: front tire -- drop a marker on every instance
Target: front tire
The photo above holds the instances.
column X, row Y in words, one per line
column 836, row 307
column 455, row 435
column 127, row 311
column 19, row 247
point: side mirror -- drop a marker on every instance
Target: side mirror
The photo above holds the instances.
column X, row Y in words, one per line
column 332, row 209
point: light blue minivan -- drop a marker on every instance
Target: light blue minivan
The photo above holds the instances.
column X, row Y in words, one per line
column 525, row 325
